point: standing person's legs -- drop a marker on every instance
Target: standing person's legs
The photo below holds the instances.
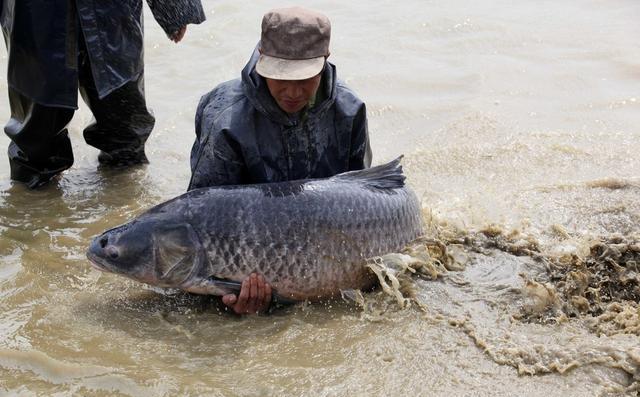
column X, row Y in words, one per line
column 40, row 147
column 122, row 121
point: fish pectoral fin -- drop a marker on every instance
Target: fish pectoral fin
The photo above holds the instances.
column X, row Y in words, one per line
column 220, row 287
column 223, row 286
column 279, row 300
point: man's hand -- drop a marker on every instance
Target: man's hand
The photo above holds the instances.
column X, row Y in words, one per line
column 178, row 35
column 255, row 296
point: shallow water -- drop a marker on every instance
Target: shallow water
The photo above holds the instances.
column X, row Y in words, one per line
column 520, row 115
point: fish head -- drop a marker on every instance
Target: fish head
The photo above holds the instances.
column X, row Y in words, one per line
column 153, row 251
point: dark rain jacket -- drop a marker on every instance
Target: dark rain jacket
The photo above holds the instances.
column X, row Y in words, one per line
column 243, row 137
column 42, row 42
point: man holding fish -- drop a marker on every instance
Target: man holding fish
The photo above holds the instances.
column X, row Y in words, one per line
column 287, row 118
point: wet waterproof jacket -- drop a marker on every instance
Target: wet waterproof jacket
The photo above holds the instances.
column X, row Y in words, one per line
column 242, row 135
column 42, row 42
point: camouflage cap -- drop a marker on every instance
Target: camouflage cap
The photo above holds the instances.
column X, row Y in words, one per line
column 294, row 44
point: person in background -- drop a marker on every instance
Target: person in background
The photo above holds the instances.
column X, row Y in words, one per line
column 56, row 47
column 288, row 117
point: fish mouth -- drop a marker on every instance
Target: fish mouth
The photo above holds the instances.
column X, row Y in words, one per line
column 97, row 262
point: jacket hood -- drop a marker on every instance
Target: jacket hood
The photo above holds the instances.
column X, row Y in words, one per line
column 256, row 90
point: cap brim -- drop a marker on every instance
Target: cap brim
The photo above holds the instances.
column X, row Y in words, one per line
column 288, row 69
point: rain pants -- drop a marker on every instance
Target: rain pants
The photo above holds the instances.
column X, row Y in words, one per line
column 243, row 137
column 57, row 47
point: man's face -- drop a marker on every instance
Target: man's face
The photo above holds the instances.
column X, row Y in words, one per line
column 293, row 95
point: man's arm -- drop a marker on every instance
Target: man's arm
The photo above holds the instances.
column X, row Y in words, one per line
column 174, row 15
column 360, row 155
column 215, row 159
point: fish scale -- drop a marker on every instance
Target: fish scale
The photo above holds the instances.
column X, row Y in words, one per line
column 310, row 239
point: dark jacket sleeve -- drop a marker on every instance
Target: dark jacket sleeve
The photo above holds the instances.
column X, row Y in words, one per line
column 172, row 15
column 215, row 158
column 360, row 155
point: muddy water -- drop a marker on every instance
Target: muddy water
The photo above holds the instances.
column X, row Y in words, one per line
column 516, row 118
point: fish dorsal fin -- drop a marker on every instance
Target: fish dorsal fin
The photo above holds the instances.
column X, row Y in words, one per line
column 385, row 176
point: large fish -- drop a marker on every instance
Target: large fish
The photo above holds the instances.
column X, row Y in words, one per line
column 309, row 238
